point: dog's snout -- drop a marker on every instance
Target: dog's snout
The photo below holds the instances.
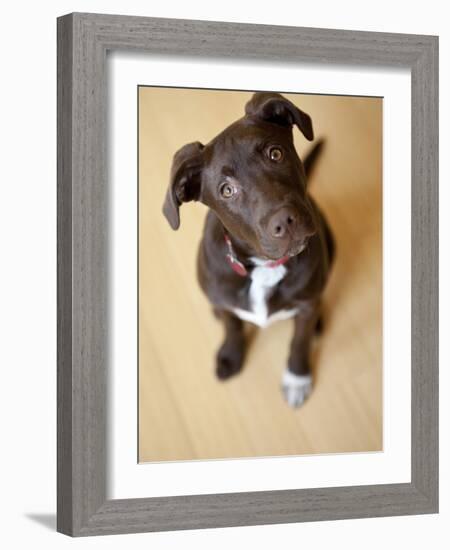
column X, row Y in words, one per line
column 283, row 223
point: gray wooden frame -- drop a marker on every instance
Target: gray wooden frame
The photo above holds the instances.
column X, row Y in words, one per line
column 83, row 40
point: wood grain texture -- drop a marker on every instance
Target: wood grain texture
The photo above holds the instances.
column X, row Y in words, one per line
column 64, row 294
column 256, row 508
column 425, row 273
column 83, row 40
column 82, row 275
column 184, row 412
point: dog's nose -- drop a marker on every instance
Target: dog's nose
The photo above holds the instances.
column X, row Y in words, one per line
column 283, row 223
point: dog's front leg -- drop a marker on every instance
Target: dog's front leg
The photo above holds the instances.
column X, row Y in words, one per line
column 297, row 380
column 230, row 356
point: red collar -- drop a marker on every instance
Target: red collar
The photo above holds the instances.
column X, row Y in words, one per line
column 239, row 267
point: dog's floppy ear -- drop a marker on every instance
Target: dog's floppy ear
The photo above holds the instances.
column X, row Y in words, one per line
column 277, row 109
column 185, row 180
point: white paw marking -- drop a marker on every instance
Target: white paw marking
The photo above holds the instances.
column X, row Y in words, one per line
column 296, row 389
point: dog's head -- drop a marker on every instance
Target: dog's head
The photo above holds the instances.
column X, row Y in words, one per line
column 251, row 176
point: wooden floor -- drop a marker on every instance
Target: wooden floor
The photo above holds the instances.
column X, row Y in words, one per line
column 184, row 412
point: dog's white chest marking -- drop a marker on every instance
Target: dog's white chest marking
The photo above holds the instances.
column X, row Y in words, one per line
column 264, row 279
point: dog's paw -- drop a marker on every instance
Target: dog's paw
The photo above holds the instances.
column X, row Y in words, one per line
column 229, row 360
column 296, row 388
column 225, row 368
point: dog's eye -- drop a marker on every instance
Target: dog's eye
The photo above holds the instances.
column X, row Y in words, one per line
column 275, row 154
column 227, row 190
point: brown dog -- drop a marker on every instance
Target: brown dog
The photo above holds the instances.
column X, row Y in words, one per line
column 266, row 250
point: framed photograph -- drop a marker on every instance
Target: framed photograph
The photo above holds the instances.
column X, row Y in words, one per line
column 247, row 274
